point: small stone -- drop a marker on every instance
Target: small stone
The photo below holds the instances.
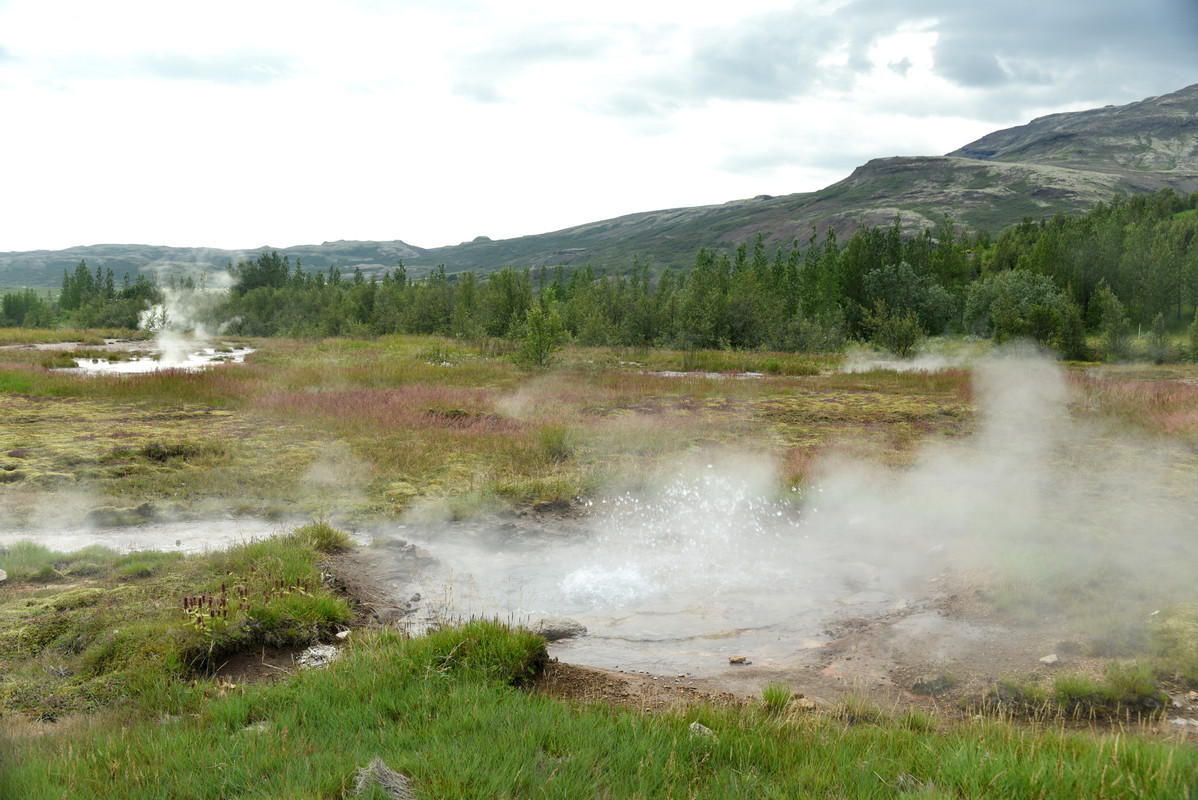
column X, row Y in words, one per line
column 257, row 727
column 389, row 615
column 554, row 628
column 1049, row 659
column 3, row 576
column 804, row 704
column 699, row 729
column 343, row 634
column 738, row 660
column 932, row 685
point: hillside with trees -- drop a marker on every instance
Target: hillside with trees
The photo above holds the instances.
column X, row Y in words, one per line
column 1128, row 262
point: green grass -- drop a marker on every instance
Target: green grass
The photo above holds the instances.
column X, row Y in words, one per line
column 447, row 712
column 775, row 697
column 1125, row 690
column 81, row 630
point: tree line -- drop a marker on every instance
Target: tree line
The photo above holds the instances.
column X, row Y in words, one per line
column 1127, row 264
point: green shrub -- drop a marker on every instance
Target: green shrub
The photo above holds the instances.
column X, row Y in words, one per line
column 899, row 335
column 323, row 537
column 775, row 696
column 556, row 443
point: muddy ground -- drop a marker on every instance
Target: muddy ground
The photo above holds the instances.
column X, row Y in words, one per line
column 940, row 652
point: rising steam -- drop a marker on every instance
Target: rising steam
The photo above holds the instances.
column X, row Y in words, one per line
column 714, row 561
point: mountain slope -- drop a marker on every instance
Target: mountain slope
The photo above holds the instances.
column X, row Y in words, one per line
column 1058, row 163
column 1153, row 140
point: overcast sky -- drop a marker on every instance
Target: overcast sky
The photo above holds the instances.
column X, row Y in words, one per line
column 250, row 123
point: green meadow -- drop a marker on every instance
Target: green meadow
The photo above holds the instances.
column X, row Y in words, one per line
column 109, row 661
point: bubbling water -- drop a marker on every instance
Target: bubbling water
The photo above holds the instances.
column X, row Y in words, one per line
column 710, row 565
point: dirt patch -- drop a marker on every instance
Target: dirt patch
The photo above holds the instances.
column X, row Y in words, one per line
column 651, row 693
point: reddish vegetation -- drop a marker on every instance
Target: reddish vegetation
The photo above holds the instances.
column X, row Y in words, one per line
column 384, row 410
column 1168, row 407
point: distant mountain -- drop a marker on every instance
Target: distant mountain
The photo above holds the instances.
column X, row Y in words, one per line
column 1058, row 163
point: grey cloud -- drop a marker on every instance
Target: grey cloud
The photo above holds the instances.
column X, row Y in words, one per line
column 1062, row 52
column 773, row 57
column 232, row 68
column 629, row 103
column 481, row 75
column 964, row 65
column 480, row 91
column 239, row 68
column 1029, row 55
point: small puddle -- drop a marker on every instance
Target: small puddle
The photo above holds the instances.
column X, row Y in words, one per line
column 195, row 536
column 154, row 359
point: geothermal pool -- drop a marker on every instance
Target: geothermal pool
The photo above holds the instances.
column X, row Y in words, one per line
column 183, row 354
column 673, row 582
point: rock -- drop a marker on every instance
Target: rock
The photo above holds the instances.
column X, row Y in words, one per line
column 932, row 685
column 866, row 597
column 804, row 704
column 402, row 549
column 317, row 656
column 393, row 784
column 554, row 628
column 390, row 615
column 699, row 729
column 257, row 727
column 342, row 634
column 738, row 660
column 3, row 576
column 1049, row 659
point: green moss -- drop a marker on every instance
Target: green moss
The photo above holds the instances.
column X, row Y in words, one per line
column 76, row 598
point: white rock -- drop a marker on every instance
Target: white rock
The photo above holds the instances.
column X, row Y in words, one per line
column 699, row 729
column 1050, row 659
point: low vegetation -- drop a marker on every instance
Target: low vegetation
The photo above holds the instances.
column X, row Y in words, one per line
column 106, row 643
column 447, row 712
column 1119, row 283
column 88, row 629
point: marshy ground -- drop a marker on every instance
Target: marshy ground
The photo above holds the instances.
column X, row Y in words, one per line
column 921, row 539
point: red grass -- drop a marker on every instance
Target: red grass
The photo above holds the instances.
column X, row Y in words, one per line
column 1167, row 407
column 406, row 407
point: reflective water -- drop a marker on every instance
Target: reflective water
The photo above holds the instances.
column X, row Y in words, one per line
column 156, row 359
column 186, row 537
column 707, row 569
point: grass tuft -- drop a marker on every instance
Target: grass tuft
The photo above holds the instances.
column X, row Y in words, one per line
column 775, row 697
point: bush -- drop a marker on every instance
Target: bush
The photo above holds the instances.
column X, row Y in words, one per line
column 1116, row 331
column 1193, row 332
column 1071, row 336
column 323, row 537
column 775, row 696
column 899, row 335
column 1014, row 304
column 541, row 335
column 1159, row 350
